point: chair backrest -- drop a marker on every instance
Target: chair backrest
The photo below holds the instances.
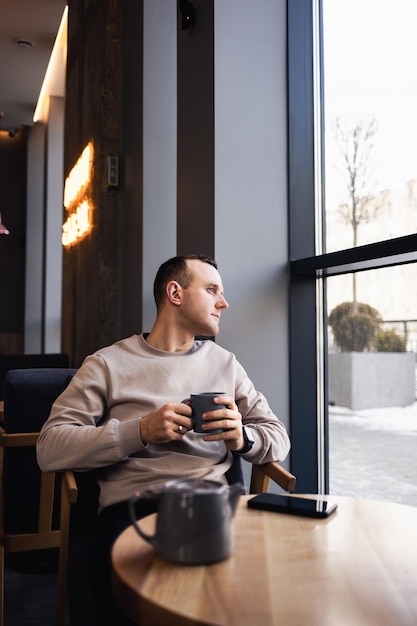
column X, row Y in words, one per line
column 29, row 395
column 29, row 361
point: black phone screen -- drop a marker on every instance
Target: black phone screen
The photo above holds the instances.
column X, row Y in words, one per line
column 294, row 506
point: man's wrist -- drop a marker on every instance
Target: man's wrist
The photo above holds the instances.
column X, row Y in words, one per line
column 141, row 432
column 248, row 439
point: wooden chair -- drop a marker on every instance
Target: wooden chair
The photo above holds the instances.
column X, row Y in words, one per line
column 263, row 474
column 33, row 516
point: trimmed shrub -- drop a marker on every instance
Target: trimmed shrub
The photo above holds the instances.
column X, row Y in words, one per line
column 390, row 341
column 354, row 326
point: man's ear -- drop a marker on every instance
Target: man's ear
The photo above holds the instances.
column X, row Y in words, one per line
column 174, row 292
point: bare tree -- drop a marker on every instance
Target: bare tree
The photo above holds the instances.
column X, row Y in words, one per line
column 356, row 143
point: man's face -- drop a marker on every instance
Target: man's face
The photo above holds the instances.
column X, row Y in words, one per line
column 203, row 300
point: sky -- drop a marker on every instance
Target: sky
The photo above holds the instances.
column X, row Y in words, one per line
column 370, row 51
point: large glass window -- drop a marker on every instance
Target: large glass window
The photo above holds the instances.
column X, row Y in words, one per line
column 372, row 384
column 353, row 246
column 370, row 99
column 370, row 103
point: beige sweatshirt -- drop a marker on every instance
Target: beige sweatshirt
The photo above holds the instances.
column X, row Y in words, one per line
column 94, row 423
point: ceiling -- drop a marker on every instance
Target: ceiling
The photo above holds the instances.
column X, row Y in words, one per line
column 22, row 70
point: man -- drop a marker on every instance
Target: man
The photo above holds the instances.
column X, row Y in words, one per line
column 123, row 416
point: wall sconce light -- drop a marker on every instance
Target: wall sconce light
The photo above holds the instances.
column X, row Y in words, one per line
column 187, row 14
column 77, row 191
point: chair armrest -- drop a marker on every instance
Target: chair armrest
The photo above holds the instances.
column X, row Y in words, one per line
column 69, row 487
column 69, row 495
column 261, row 475
column 17, row 440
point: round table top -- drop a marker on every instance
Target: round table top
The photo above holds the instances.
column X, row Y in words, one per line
column 358, row 567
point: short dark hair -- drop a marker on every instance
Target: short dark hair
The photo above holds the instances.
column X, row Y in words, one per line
column 176, row 269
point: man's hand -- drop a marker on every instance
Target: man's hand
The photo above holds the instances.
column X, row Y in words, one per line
column 225, row 417
column 169, row 423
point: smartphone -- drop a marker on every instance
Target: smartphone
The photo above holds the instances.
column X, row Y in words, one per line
column 294, row 506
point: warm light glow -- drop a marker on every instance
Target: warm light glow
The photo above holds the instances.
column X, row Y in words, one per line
column 77, row 192
column 54, row 80
column 77, row 224
column 79, row 177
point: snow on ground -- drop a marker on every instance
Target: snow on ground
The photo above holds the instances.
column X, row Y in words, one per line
column 373, row 453
column 402, row 420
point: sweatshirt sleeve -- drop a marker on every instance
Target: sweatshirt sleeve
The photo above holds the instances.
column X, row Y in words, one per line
column 70, row 438
column 271, row 439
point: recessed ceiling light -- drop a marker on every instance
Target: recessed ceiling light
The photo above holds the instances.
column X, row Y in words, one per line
column 23, row 44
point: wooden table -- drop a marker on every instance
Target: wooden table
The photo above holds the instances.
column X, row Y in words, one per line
column 356, row 568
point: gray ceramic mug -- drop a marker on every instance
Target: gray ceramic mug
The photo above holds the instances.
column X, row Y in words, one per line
column 202, row 403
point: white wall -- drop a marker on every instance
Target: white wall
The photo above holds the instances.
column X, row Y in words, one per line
column 251, row 188
column 43, row 290
column 159, row 143
column 34, row 240
column 250, row 121
column 53, row 230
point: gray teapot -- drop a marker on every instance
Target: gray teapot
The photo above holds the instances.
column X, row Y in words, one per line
column 194, row 521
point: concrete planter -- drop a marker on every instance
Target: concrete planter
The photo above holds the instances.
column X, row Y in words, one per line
column 369, row 380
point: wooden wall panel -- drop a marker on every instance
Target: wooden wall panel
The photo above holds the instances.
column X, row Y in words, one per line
column 92, row 267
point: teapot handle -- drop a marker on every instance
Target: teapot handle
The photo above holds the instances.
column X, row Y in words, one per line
column 132, row 513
